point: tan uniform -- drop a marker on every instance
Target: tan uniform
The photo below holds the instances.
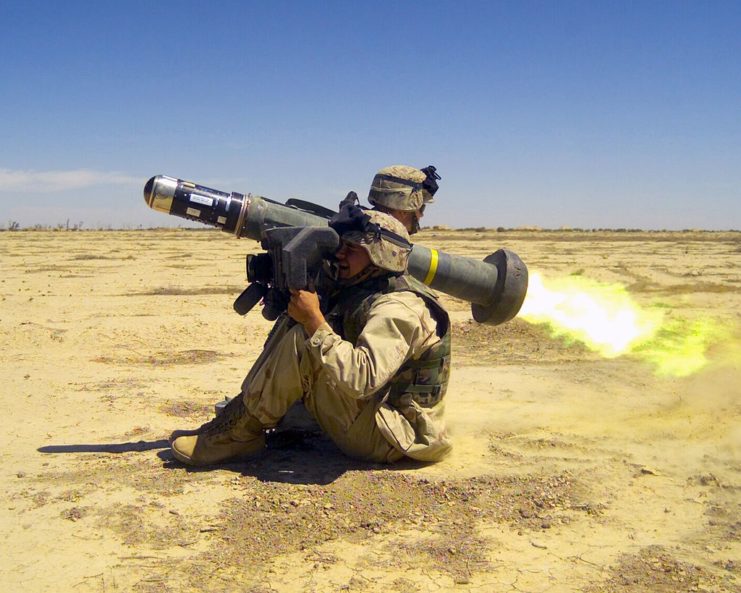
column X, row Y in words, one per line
column 345, row 387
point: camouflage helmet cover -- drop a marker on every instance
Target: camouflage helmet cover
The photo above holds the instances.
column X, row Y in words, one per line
column 399, row 187
column 387, row 252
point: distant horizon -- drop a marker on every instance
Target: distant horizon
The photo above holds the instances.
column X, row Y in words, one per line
column 72, row 228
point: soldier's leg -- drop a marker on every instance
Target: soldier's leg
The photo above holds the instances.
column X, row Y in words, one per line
column 277, row 332
column 274, row 385
column 280, row 328
column 282, row 378
column 350, row 423
column 288, row 375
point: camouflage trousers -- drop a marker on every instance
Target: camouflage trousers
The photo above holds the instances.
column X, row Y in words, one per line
column 284, row 374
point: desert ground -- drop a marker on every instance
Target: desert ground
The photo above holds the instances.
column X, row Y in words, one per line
column 570, row 472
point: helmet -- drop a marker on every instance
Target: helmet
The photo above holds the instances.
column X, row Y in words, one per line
column 401, row 187
column 384, row 239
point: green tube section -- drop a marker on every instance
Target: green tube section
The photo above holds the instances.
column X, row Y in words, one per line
column 462, row 277
column 496, row 287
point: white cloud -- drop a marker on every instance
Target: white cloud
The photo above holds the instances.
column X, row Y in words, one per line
column 30, row 181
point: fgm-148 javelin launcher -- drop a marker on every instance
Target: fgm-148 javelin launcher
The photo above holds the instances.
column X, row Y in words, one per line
column 495, row 287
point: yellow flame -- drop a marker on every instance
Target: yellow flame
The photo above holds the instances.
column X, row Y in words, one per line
column 607, row 320
column 602, row 316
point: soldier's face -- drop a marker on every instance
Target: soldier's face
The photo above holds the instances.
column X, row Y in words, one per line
column 409, row 218
column 351, row 259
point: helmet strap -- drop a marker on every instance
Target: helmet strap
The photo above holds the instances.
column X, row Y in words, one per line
column 368, row 272
column 415, row 223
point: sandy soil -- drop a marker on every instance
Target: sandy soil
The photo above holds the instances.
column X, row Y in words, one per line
column 570, row 472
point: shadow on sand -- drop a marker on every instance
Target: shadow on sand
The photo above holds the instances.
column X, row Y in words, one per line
column 107, row 447
column 291, row 457
column 295, row 457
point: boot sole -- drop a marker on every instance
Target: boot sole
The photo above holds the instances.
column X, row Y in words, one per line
column 234, row 458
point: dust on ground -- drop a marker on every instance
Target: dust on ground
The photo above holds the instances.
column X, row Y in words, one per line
column 570, row 472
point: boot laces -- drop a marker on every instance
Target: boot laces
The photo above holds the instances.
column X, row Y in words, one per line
column 228, row 418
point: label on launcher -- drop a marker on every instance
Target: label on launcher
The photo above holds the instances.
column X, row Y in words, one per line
column 201, row 200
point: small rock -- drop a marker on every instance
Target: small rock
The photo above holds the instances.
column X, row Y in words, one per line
column 73, row 514
column 539, row 545
column 21, row 474
column 708, row 480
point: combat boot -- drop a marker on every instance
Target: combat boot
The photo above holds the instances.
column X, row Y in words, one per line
column 231, row 435
column 230, row 401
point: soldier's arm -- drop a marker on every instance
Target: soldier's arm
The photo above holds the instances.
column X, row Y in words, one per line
column 304, row 309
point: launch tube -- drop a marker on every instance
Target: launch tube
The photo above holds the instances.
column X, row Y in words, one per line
column 496, row 286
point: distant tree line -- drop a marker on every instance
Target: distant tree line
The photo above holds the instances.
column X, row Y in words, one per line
column 13, row 225
column 535, row 229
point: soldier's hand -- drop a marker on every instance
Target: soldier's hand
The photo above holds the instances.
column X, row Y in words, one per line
column 304, row 308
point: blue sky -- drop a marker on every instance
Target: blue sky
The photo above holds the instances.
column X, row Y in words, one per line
column 559, row 113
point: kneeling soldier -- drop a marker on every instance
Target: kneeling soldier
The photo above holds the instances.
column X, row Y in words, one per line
column 372, row 370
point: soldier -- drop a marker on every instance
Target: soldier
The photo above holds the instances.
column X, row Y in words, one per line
column 398, row 190
column 371, row 364
column 404, row 192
